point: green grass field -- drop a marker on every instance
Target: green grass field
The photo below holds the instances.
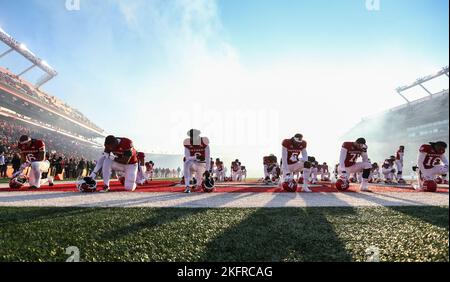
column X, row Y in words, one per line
column 285, row 234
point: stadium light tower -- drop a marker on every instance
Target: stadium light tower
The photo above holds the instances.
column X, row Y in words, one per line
column 22, row 49
column 420, row 82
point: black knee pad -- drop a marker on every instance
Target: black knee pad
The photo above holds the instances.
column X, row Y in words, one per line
column 366, row 173
column 307, row 165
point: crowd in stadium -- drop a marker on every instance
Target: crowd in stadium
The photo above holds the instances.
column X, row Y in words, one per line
column 66, row 156
column 166, row 173
column 15, row 82
column 63, row 151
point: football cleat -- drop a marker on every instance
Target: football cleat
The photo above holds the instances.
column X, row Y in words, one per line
column 187, row 190
column 105, row 189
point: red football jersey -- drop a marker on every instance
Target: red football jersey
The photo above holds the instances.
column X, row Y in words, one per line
column 432, row 157
column 198, row 150
column 353, row 153
column 294, row 150
column 32, row 150
column 126, row 147
column 141, row 156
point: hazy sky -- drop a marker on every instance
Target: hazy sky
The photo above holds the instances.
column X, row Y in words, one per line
column 247, row 73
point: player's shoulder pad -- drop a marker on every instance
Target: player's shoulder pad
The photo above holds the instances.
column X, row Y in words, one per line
column 205, row 141
column 286, row 143
column 425, row 148
column 304, row 144
column 40, row 144
column 347, row 145
column 125, row 143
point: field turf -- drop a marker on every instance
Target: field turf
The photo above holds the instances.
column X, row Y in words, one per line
column 284, row 234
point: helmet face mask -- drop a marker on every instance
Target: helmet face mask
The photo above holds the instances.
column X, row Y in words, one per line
column 17, row 182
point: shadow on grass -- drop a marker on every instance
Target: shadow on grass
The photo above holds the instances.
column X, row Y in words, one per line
column 437, row 216
column 19, row 215
column 153, row 218
column 279, row 234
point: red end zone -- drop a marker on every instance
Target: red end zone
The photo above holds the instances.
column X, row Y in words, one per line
column 247, row 187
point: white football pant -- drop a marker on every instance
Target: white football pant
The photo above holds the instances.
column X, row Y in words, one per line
column 192, row 168
column 35, row 176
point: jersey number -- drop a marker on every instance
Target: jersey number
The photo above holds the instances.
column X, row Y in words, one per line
column 353, row 158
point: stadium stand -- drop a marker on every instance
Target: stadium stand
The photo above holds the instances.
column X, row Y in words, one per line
column 411, row 125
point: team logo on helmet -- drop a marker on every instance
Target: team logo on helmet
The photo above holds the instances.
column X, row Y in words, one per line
column 290, row 186
column 87, row 185
column 342, row 185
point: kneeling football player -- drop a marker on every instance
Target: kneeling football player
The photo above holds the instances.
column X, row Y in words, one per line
column 431, row 163
column 219, row 171
column 324, row 172
column 196, row 158
column 236, row 170
column 292, row 164
column 350, row 152
column 141, row 178
column 271, row 169
column 121, row 156
column 32, row 155
column 388, row 170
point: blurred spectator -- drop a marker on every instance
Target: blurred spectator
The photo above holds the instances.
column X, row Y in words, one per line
column 15, row 162
column 2, row 165
column 80, row 168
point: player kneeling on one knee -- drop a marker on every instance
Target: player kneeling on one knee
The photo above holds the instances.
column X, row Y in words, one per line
column 196, row 158
column 291, row 149
column 350, row 152
column 33, row 156
column 431, row 163
column 121, row 156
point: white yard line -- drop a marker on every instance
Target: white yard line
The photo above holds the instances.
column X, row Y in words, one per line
column 220, row 200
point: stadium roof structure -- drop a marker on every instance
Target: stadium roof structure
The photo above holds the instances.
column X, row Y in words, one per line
column 20, row 48
column 420, row 82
